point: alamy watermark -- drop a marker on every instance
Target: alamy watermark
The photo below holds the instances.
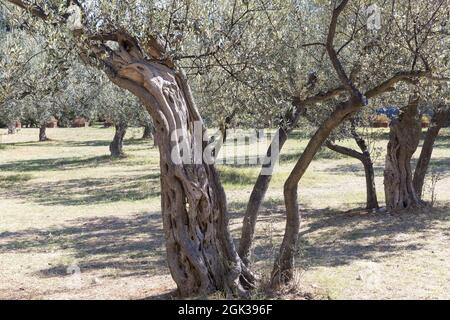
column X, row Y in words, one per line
column 244, row 147
column 373, row 13
column 74, row 280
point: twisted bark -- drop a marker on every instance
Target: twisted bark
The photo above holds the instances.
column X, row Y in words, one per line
column 200, row 252
column 403, row 142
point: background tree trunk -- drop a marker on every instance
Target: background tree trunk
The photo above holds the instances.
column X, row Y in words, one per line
column 372, row 199
column 225, row 125
column 116, row 146
column 366, row 160
column 440, row 118
column 403, row 142
column 43, row 133
column 223, row 132
column 148, row 132
column 12, row 128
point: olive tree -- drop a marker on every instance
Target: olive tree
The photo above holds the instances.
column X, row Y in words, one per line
column 145, row 47
column 358, row 130
column 135, row 43
column 429, row 42
column 367, row 64
column 435, row 99
column 27, row 61
column 347, row 60
column 123, row 110
column 12, row 62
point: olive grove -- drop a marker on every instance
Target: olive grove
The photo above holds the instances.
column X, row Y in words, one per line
column 246, row 64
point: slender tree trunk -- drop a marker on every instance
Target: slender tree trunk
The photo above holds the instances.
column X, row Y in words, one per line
column 403, row 142
column 200, row 251
column 148, row 132
column 284, row 264
column 43, row 133
column 262, row 184
column 12, row 128
column 439, row 120
column 371, row 189
column 116, row 146
column 372, row 199
column 366, row 160
column 223, row 132
column 226, row 125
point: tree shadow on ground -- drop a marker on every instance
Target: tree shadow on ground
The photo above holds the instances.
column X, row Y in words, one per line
column 301, row 134
column 129, row 246
column 71, row 163
column 441, row 165
column 171, row 295
column 106, row 143
column 322, row 154
column 57, row 164
column 354, row 168
column 235, row 162
column 235, row 177
column 255, row 162
column 87, row 191
column 332, row 238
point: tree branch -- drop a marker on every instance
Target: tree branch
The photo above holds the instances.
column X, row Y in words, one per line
column 34, row 9
column 337, row 65
column 344, row 150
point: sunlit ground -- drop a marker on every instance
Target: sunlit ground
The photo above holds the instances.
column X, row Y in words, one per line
column 65, row 205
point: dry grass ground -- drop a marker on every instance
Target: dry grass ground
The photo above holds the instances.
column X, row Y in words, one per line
column 65, row 205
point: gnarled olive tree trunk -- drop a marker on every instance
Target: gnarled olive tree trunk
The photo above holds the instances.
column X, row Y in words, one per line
column 43, row 133
column 200, row 251
column 116, row 146
column 403, row 142
column 439, row 119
